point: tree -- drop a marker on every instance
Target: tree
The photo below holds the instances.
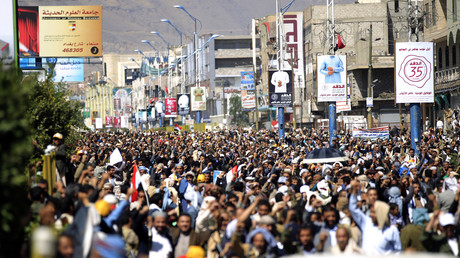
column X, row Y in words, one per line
column 16, row 148
column 240, row 118
column 51, row 112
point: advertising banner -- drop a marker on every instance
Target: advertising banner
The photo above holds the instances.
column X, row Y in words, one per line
column 331, row 80
column 28, row 31
column 280, row 88
column 117, row 122
column 70, row 31
column 183, row 104
column 414, row 73
column 108, row 121
column 198, row 97
column 170, row 107
column 98, row 123
column 247, row 81
column 69, row 70
column 121, row 101
column 345, row 105
column 373, row 133
column 293, row 34
column 248, row 100
column 7, row 45
column 124, row 122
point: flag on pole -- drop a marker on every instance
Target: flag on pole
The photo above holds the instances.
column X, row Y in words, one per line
column 115, row 157
column 135, row 180
column 177, row 127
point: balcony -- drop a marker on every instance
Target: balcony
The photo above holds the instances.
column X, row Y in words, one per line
column 235, row 53
column 447, row 79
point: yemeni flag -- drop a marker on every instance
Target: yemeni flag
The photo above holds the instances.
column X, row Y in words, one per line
column 177, row 127
column 135, row 180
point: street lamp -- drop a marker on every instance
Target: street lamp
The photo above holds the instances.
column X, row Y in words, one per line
column 178, row 31
column 140, row 52
column 134, row 60
column 150, row 44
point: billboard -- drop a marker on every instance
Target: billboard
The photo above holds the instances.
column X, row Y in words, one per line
column 280, row 88
column 248, row 100
column 293, row 34
column 7, row 45
column 414, row 73
column 332, row 78
column 247, row 81
column 121, row 102
column 108, row 121
column 198, row 97
column 28, row 31
column 170, row 107
column 183, row 104
column 69, row 70
column 68, row 31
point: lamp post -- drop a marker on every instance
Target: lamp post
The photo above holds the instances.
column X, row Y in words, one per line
column 167, row 43
column 150, row 44
column 178, row 31
column 195, row 43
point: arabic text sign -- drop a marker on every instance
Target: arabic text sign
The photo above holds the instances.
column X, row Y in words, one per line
column 373, row 133
column 414, row 73
column 170, row 107
column 68, row 31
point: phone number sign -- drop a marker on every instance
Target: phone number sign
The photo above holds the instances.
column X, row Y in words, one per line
column 414, row 72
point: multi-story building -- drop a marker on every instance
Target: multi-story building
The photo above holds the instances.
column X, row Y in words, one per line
column 442, row 27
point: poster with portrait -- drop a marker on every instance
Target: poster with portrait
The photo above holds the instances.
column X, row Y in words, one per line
column 247, row 80
column 280, row 88
column 198, row 98
column 414, row 73
column 183, row 104
column 331, row 78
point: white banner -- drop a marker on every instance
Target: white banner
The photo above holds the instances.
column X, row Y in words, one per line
column 293, row 34
column 345, row 105
column 332, row 78
column 414, row 73
column 98, row 123
column 124, row 122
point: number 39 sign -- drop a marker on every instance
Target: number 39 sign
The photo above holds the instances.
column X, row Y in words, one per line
column 414, row 72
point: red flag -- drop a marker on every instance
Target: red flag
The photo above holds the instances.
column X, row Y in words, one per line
column 235, row 172
column 177, row 127
column 135, row 180
column 340, row 44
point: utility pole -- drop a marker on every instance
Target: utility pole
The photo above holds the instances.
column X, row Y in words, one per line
column 330, row 24
column 370, row 91
column 279, row 55
column 292, row 64
column 254, row 68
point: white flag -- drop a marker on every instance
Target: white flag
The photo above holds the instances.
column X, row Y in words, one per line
column 115, row 157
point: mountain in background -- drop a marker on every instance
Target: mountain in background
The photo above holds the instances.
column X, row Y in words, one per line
column 127, row 22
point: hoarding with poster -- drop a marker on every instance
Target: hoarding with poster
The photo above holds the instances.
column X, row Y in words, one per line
column 117, row 122
column 170, row 107
column 69, row 70
column 414, row 73
column 198, row 98
column 248, row 100
column 68, row 31
column 108, row 121
column 7, row 45
column 280, row 88
column 124, row 122
column 373, row 133
column 332, row 78
column 183, row 104
column 293, row 34
column 247, row 80
column 121, row 102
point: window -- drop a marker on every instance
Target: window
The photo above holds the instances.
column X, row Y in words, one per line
column 447, row 56
column 439, row 59
column 454, row 10
column 454, row 55
column 396, row 6
column 433, row 11
column 427, row 15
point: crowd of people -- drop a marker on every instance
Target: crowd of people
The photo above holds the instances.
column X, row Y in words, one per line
column 245, row 193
